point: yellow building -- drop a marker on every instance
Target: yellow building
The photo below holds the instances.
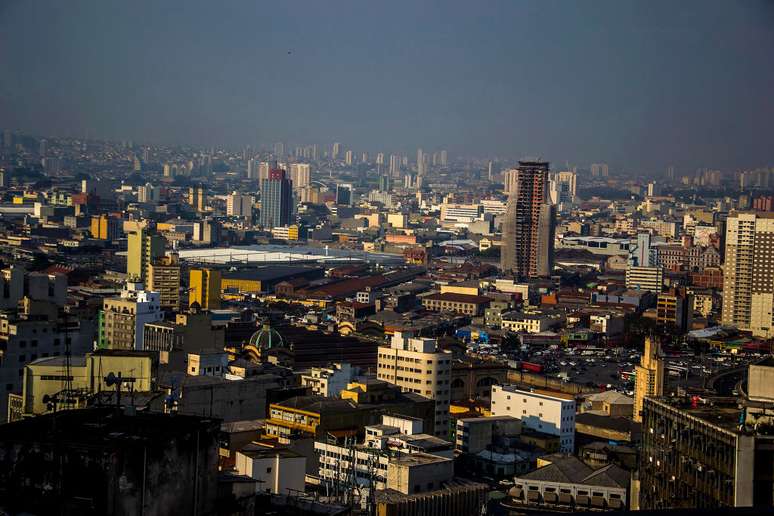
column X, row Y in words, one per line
column 164, row 278
column 649, row 377
column 45, row 377
column 104, row 227
column 143, row 248
column 197, row 197
column 285, row 232
column 204, row 288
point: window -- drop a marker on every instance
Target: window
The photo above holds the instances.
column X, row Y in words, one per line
column 268, row 470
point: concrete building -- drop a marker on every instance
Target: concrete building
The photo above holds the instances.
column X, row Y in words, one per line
column 452, row 302
column 277, row 470
column 204, row 288
column 649, row 376
column 101, row 461
column 645, row 278
column 197, row 197
column 45, row 377
column 164, row 278
column 240, row 205
column 329, row 381
column 417, row 365
column 527, row 249
column 300, row 175
column 144, row 246
column 748, row 273
column 475, row 434
column 531, row 322
column 123, row 318
column 547, row 412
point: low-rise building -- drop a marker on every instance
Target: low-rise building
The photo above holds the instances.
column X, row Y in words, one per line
column 467, row 304
column 547, row 412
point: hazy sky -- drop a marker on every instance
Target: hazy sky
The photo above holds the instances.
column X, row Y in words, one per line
column 645, row 82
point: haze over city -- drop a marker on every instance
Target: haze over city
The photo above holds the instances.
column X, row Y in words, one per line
column 641, row 85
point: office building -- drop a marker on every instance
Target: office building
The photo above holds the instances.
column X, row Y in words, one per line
column 122, row 318
column 240, row 205
column 164, row 278
column 144, row 246
column 197, row 197
column 600, row 170
column 545, row 412
column 300, row 175
column 644, row 278
column 394, row 170
column 276, row 200
column 649, row 376
column 285, row 232
column 417, row 365
column 204, row 288
column 748, row 273
column 562, row 188
column 104, row 227
column 710, row 452
column 344, row 194
column 528, row 228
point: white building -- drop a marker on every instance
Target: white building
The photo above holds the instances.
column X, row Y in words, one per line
column 645, row 278
column 417, row 365
column 300, row 175
column 551, row 413
column 239, row 205
column 278, row 470
column 329, row 381
column 536, row 322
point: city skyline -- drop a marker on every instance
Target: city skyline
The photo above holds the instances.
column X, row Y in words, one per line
column 642, row 85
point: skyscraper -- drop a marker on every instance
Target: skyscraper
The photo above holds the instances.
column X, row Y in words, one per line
column 348, row 157
column 748, row 273
column 444, row 158
column 276, row 199
column 599, row 170
column 649, row 377
column 420, row 162
column 562, row 187
column 336, row 151
column 380, row 158
column 529, row 226
column 300, row 175
column 279, row 150
column 394, row 165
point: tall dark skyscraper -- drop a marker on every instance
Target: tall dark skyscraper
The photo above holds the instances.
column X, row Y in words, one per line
column 528, row 229
column 276, row 199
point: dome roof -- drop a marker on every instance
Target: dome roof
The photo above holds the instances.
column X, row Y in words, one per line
column 267, row 338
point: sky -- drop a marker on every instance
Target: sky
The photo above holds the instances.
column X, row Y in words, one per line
column 638, row 84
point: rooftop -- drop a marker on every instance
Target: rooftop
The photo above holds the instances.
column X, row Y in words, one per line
column 568, row 469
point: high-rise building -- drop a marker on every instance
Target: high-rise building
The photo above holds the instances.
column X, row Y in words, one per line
column 164, row 278
column 654, row 189
column 204, row 288
column 421, row 160
column 348, row 157
column 123, row 318
column 206, row 231
column 336, row 151
column 528, row 226
column 276, row 200
column 279, row 150
column 649, row 377
column 344, row 194
column 385, row 183
column 394, row 166
column 197, row 197
column 300, row 175
column 252, row 168
column 148, row 193
column 444, row 160
column 640, row 253
column 144, row 246
column 418, row 365
column 600, row 170
column 104, row 227
column 240, row 205
column 489, row 171
column 748, row 273
column 562, row 187
column 380, row 158
column 264, row 168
